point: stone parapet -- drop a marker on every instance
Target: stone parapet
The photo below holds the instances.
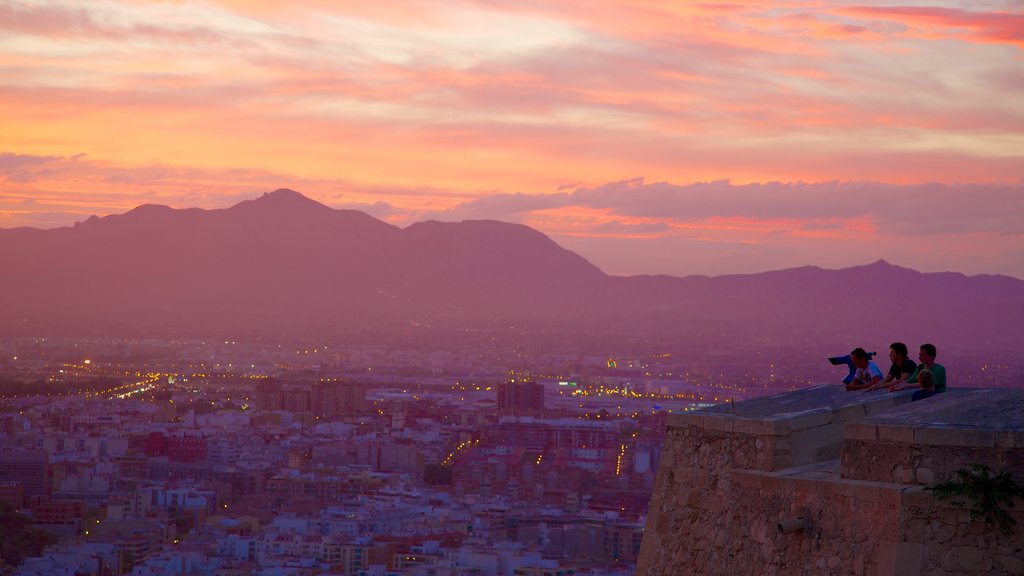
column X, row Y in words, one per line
column 734, row 480
column 808, row 427
column 929, row 441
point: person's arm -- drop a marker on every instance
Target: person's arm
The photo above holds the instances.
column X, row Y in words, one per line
column 899, row 383
column 856, row 383
column 879, row 384
column 875, row 379
column 860, row 384
column 910, row 382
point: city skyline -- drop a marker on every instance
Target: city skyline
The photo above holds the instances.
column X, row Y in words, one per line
column 648, row 137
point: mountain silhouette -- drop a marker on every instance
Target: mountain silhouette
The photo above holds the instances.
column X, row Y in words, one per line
column 285, row 264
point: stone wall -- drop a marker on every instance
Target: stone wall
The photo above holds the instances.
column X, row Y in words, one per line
column 938, row 538
column 713, row 518
column 728, row 479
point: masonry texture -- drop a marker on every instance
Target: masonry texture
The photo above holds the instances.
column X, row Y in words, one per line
column 843, row 473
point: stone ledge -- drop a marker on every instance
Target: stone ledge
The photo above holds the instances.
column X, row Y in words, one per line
column 896, row 433
column 1010, row 439
column 681, row 419
column 807, row 419
column 954, row 436
column 860, row 431
column 823, row 479
column 784, row 414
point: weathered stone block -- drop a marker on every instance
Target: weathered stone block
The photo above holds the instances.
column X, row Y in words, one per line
column 891, row 496
column 968, row 559
column 779, row 425
column 860, row 431
column 879, row 405
column 847, row 413
column 885, row 553
column 781, row 461
column 953, row 436
column 890, row 433
column 749, row 426
column 942, row 531
column 760, row 427
column 904, row 475
column 816, row 444
column 692, row 499
column 712, row 503
column 804, row 487
column 918, row 497
column 917, row 530
column 679, row 420
column 907, row 561
column 924, row 476
column 1009, row 439
column 720, row 423
column 826, row 488
column 809, row 419
column 691, row 423
column 866, row 491
column 1010, row 564
column 748, row 479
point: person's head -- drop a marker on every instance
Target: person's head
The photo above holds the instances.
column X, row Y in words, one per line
column 927, row 354
column 897, row 352
column 859, row 357
column 925, row 379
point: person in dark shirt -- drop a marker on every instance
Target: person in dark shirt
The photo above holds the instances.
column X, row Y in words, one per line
column 902, row 367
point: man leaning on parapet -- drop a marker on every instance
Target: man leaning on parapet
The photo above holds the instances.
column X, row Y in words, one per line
column 901, row 370
column 927, row 358
column 867, row 374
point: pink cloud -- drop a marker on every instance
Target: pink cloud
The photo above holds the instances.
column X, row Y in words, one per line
column 993, row 27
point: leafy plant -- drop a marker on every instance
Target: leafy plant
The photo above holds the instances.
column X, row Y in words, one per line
column 18, row 538
column 987, row 494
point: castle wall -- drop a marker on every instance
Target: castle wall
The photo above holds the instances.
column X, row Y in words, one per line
column 727, row 481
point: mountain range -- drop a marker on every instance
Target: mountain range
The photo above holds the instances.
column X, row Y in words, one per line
column 285, row 264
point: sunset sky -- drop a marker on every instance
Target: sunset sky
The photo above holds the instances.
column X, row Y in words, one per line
column 650, row 137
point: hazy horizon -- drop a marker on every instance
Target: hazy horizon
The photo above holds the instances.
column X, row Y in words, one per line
column 567, row 242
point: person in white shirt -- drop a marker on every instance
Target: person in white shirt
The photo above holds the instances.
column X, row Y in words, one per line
column 868, row 374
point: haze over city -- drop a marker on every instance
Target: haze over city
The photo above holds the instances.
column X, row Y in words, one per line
column 539, row 288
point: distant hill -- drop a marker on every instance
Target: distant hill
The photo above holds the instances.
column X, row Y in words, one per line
column 285, row 264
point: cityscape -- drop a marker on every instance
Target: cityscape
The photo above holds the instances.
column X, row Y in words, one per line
column 154, row 457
